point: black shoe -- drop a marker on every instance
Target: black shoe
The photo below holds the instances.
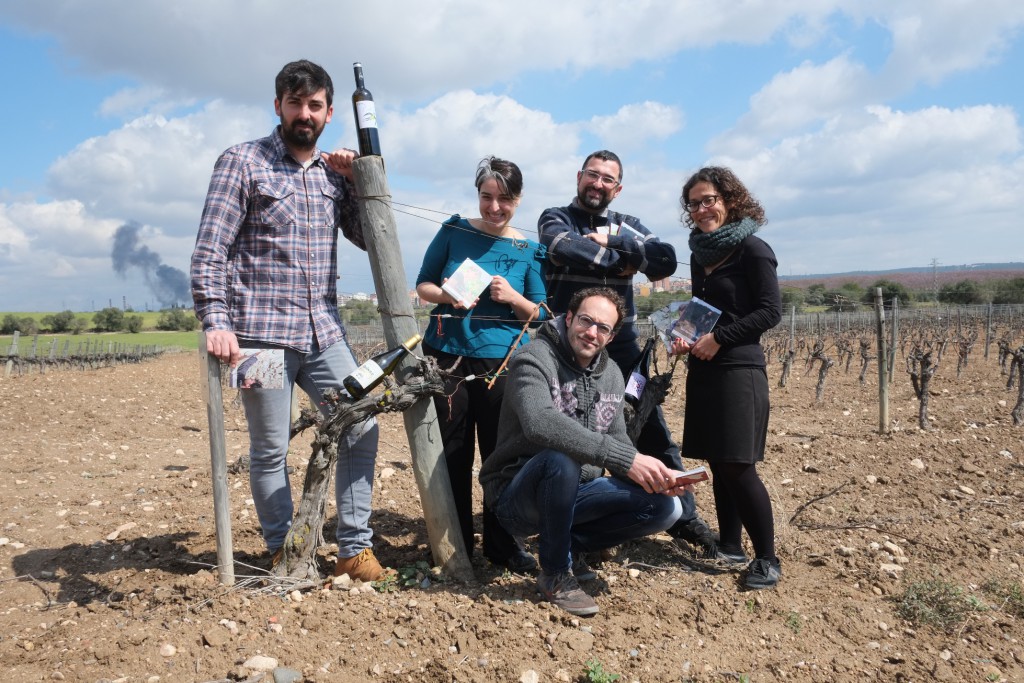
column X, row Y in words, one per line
column 519, row 562
column 695, row 531
column 763, row 573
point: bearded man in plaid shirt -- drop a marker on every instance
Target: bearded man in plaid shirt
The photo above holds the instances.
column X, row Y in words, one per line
column 264, row 274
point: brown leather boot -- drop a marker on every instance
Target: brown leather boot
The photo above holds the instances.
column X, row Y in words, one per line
column 363, row 567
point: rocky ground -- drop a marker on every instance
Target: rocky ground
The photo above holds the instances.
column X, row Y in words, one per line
column 901, row 553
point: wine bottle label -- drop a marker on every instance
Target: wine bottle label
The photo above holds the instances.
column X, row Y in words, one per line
column 635, row 385
column 367, row 373
column 366, row 113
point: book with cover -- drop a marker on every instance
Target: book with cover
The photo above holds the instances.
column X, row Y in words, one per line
column 467, row 282
column 688, row 320
column 259, row 369
column 696, row 475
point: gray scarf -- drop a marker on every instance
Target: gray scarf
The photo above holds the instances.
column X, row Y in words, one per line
column 711, row 247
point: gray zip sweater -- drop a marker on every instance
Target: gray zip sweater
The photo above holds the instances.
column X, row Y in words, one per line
column 551, row 402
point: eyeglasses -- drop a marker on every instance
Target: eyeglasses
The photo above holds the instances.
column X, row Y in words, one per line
column 584, row 321
column 706, row 202
column 594, row 176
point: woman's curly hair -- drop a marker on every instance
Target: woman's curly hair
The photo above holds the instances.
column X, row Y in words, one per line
column 735, row 195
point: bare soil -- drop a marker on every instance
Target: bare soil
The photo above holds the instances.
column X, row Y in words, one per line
column 108, row 546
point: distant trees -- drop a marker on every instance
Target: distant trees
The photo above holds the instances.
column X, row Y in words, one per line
column 962, row 292
column 846, row 298
column 1009, row 291
column 177, row 319
column 792, row 297
column 890, row 290
column 12, row 323
column 110, row 319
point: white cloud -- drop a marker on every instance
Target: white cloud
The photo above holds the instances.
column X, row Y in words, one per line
column 155, row 169
column 635, row 124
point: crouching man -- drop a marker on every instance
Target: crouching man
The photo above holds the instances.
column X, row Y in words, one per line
column 561, row 426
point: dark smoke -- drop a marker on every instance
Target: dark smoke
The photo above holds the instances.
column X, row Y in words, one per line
column 169, row 285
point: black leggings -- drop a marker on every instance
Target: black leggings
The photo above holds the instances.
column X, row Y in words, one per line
column 742, row 502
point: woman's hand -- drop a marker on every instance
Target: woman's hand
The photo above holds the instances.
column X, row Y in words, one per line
column 502, row 292
column 706, row 347
column 680, row 346
column 449, row 299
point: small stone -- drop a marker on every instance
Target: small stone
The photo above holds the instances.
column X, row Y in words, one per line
column 786, row 482
column 893, row 548
column 112, row 536
column 634, row 573
column 845, row 551
column 260, row 663
column 285, row 675
column 871, row 479
column 529, row 676
column 893, row 571
column 387, row 473
column 917, row 463
column 965, row 489
column 216, row 636
column 343, row 581
column 295, row 596
column 946, row 655
column 168, row 650
column 56, row 676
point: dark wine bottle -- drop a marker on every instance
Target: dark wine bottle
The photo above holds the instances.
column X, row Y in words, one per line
column 366, row 116
column 639, row 375
column 371, row 373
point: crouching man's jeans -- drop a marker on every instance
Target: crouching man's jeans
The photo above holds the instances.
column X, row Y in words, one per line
column 546, row 498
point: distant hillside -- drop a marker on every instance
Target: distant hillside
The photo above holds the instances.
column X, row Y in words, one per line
column 915, row 279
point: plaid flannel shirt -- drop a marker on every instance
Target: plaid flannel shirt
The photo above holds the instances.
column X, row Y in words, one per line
column 265, row 262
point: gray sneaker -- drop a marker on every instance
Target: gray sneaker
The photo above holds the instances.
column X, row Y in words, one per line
column 580, row 569
column 562, row 590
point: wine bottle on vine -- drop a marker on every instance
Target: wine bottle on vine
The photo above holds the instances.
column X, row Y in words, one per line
column 639, row 375
column 371, row 373
column 366, row 116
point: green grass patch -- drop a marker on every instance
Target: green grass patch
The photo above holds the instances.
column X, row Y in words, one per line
column 936, row 603
column 76, row 343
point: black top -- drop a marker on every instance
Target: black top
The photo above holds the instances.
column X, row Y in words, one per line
column 746, row 288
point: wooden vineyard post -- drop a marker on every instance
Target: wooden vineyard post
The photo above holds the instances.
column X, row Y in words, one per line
column 883, row 373
column 210, row 369
column 399, row 322
column 11, row 354
column 988, row 329
column 894, row 328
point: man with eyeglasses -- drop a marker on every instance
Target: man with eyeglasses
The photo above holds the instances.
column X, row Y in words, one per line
column 561, row 427
column 589, row 245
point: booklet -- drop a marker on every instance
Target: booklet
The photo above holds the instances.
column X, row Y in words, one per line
column 696, row 475
column 688, row 320
column 259, row 369
column 467, row 282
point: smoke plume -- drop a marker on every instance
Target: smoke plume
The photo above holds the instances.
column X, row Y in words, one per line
column 169, row 285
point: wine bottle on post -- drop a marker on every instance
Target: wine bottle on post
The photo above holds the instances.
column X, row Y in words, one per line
column 640, row 373
column 371, row 373
column 366, row 116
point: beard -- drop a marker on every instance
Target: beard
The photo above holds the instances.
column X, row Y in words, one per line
column 301, row 137
column 599, row 203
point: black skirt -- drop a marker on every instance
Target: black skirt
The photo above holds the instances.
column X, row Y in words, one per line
column 726, row 414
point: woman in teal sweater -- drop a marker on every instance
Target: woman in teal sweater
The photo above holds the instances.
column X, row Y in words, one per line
column 471, row 341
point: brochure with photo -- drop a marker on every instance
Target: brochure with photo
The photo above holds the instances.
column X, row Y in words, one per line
column 467, row 282
column 694, row 476
column 688, row 320
column 259, row 369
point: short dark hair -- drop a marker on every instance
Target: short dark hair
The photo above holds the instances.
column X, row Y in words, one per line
column 303, row 78
column 506, row 173
column 736, row 198
column 604, row 155
column 608, row 293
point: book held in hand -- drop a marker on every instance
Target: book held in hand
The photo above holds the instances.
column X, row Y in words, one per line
column 259, row 369
column 687, row 320
column 467, row 282
column 694, row 476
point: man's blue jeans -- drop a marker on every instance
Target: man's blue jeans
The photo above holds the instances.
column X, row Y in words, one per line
column 268, row 412
column 546, row 498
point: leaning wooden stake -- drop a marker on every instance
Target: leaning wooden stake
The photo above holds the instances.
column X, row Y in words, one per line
column 399, row 324
column 218, row 462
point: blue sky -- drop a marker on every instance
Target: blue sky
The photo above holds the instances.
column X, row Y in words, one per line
column 878, row 135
